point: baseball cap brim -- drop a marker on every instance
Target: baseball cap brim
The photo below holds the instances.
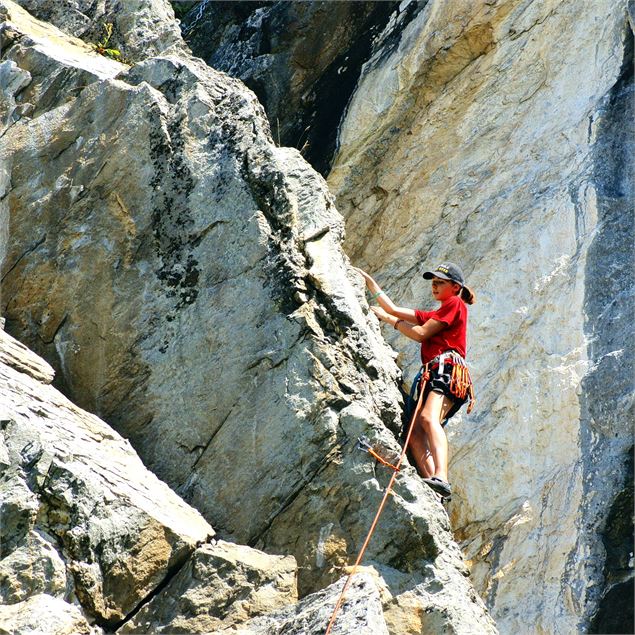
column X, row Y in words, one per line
column 428, row 275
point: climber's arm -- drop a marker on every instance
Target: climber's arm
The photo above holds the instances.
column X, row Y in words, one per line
column 416, row 333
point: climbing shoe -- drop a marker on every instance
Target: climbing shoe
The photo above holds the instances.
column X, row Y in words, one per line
column 439, row 486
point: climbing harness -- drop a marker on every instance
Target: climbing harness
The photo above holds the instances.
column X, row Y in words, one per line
column 395, row 468
column 460, row 382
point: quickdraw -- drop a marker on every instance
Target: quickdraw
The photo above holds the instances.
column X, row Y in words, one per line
column 376, row 452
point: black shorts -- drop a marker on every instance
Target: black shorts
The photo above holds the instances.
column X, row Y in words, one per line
column 439, row 382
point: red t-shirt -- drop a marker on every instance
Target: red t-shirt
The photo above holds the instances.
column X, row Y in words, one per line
column 452, row 312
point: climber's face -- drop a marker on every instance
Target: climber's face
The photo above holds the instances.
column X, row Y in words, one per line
column 443, row 289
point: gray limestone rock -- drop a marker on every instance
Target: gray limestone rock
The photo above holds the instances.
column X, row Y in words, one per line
column 19, row 357
column 222, row 585
column 141, row 28
column 42, row 67
column 185, row 278
column 12, row 80
column 44, row 615
column 499, row 135
column 33, row 567
column 361, row 613
column 81, row 516
column 302, row 59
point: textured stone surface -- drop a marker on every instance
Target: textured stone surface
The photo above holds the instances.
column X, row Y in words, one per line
column 615, row 610
column 141, row 28
column 222, row 585
column 18, row 356
column 44, row 615
column 361, row 613
column 186, row 280
column 302, row 59
column 12, row 80
column 607, row 389
column 34, row 566
column 499, row 135
column 81, row 516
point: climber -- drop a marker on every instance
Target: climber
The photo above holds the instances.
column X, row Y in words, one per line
column 442, row 334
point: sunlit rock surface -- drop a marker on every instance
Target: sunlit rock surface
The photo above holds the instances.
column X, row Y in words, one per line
column 360, row 613
column 83, row 521
column 497, row 134
column 222, row 585
column 185, row 278
column 500, row 135
column 45, row 615
column 140, row 28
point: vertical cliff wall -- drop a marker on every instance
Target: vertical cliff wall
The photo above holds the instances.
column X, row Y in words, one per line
column 499, row 135
column 302, row 59
column 185, row 277
column 226, row 328
column 607, row 389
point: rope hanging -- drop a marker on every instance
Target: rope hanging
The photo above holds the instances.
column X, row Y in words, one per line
column 395, row 468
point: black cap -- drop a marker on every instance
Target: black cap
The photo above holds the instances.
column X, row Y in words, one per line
column 446, row 271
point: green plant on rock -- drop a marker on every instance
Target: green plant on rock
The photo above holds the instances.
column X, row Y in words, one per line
column 102, row 46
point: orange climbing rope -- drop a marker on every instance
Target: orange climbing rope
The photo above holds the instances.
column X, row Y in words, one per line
column 424, row 378
column 382, row 460
column 461, row 383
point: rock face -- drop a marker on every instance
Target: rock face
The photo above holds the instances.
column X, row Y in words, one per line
column 43, row 615
column 499, row 135
column 302, row 59
column 88, row 534
column 83, row 521
column 185, row 278
column 361, row 613
column 222, row 586
column 140, row 28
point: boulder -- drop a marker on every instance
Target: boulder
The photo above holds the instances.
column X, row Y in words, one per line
column 44, row 615
column 33, row 567
column 361, row 612
column 82, row 518
column 222, row 585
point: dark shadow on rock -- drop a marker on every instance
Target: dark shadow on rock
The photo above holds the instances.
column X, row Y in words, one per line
column 302, row 59
column 607, row 404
